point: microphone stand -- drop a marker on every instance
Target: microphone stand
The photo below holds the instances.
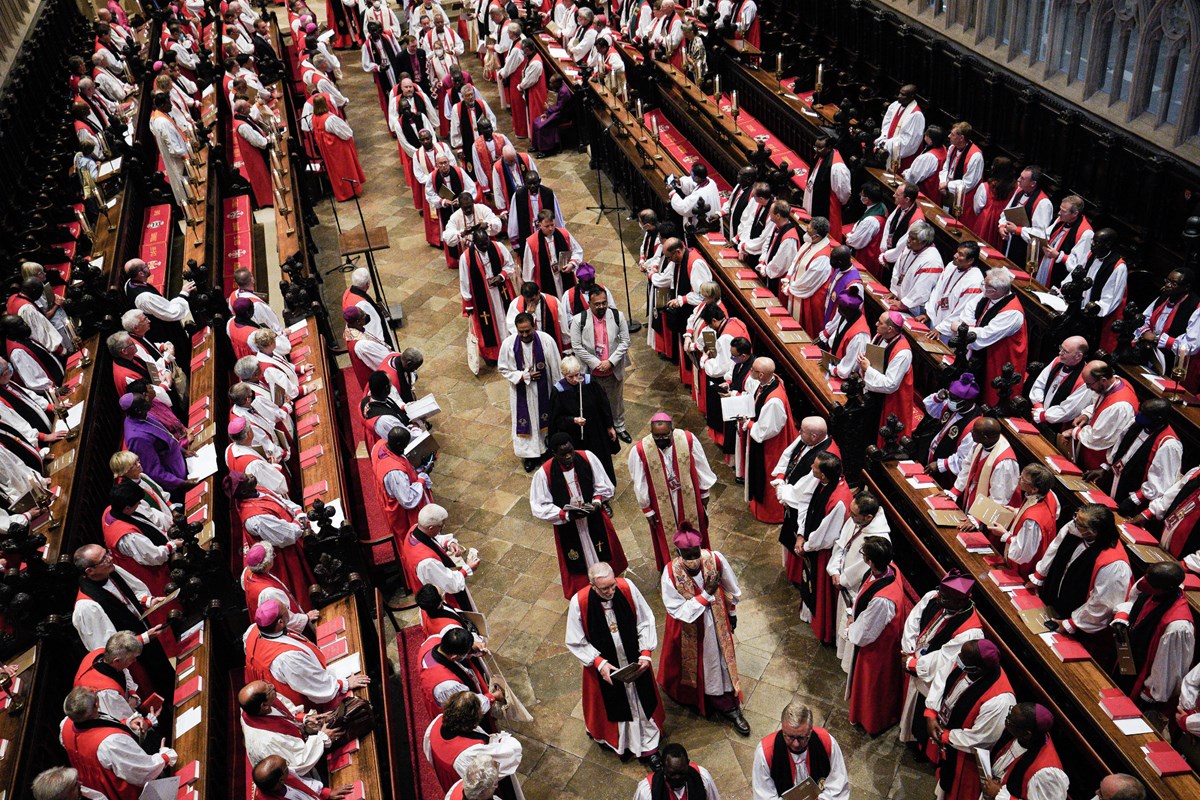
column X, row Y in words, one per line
column 634, row 325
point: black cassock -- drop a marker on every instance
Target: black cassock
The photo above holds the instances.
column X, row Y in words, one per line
column 564, row 408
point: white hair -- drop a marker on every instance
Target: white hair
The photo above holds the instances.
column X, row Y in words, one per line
column 360, row 278
column 999, row 278
column 922, row 231
column 796, row 713
column 122, row 645
column 480, row 779
column 246, row 368
column 432, row 514
column 132, row 318
column 56, row 783
column 118, row 342
column 601, row 569
column 570, row 365
column 268, row 558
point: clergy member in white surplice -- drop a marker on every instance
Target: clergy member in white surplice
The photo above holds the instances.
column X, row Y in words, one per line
column 847, row 566
column 609, row 627
column 529, row 360
column 671, row 478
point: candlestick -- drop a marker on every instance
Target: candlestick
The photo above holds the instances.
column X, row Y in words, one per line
column 820, row 74
column 654, row 126
column 717, row 88
column 641, row 111
column 778, row 64
column 733, row 103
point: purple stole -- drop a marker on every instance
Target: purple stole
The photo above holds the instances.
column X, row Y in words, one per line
column 842, row 281
column 524, row 428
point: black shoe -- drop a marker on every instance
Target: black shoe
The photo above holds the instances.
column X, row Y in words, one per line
column 740, row 481
column 532, row 463
column 624, row 436
column 626, row 756
column 739, row 722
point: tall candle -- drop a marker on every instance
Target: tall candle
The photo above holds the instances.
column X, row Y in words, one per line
column 654, row 126
column 820, row 74
column 779, row 63
column 717, row 86
column 641, row 111
column 733, row 103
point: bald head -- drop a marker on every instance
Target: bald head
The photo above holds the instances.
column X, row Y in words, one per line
column 1073, row 350
column 1098, row 376
column 986, row 431
column 253, row 695
column 764, row 367
column 1121, row 787
column 813, row 430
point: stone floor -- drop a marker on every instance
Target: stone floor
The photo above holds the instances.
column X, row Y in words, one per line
column 486, row 491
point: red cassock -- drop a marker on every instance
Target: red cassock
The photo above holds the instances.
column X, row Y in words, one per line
column 400, row 519
column 155, row 577
column 599, row 528
column 341, row 160
column 436, row 669
column 291, row 565
column 535, row 96
column 255, row 583
column 876, row 687
column 239, row 336
column 487, row 318
column 81, row 745
column 415, row 548
column 261, row 652
column 1021, row 771
column 516, row 100
column 1012, row 349
column 963, row 783
column 812, row 309
column 986, row 224
column 446, row 749
column 899, row 402
column 1123, row 393
column 762, row 457
column 255, row 165
column 1045, row 514
column 817, row 587
column 683, row 642
column 652, row 465
column 604, row 705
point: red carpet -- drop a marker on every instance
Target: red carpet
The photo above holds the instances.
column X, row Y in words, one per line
column 408, row 642
column 373, row 514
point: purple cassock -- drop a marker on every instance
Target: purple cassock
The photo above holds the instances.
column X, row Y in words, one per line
column 162, row 457
column 545, row 131
column 841, row 282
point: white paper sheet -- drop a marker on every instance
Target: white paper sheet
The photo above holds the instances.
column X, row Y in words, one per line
column 422, row 408
column 1051, row 301
column 74, row 417
column 347, row 665
column 187, row 720
column 1133, row 727
column 738, row 405
column 203, row 464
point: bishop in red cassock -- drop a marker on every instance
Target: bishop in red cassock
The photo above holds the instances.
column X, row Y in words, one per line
column 610, row 628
